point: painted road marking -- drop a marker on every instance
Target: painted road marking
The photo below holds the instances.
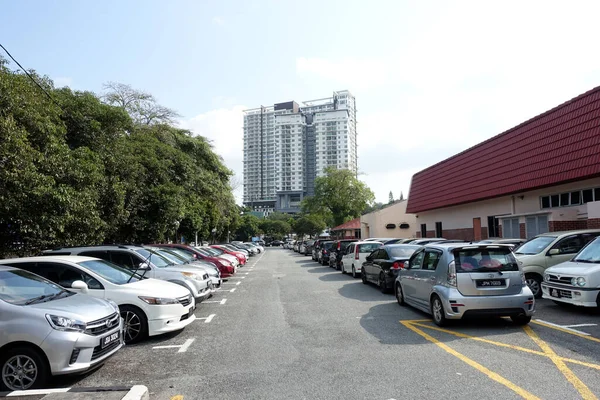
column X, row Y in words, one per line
column 231, row 283
column 237, row 277
column 177, row 397
column 492, row 375
column 182, row 348
column 563, row 328
column 578, row 325
column 216, row 301
column 208, row 319
column 232, row 290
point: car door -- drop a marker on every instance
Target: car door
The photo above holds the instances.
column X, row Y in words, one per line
column 368, row 264
column 65, row 275
column 348, row 255
column 409, row 277
column 381, row 263
column 425, row 278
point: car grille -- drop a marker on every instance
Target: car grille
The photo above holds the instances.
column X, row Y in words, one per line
column 100, row 326
column 205, row 276
column 185, row 301
column 564, row 280
column 184, row 317
column 99, row 351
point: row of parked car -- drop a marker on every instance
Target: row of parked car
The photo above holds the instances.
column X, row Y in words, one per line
column 69, row 309
column 452, row 279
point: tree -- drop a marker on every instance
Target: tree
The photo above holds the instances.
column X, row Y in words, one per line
column 339, row 197
column 274, row 228
column 391, row 198
column 249, row 227
column 141, row 106
column 401, row 196
column 311, row 225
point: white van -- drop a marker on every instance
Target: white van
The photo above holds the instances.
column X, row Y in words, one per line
column 356, row 254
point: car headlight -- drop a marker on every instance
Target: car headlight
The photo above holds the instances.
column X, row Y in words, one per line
column 546, row 277
column 158, row 300
column 192, row 275
column 578, row 281
column 115, row 305
column 65, row 324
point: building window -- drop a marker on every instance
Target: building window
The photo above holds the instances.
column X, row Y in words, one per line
column 423, row 230
column 511, row 228
column 566, row 199
column 535, row 225
column 438, row 229
column 493, row 227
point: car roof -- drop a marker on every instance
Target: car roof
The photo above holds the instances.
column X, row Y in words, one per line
column 368, row 242
column 566, row 233
column 454, row 245
column 98, row 247
column 6, row 267
column 72, row 259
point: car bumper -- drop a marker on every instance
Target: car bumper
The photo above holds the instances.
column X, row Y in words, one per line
column 457, row 306
column 60, row 347
column 570, row 295
column 202, row 289
column 171, row 321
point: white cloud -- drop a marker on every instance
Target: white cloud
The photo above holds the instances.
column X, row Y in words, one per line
column 224, row 127
column 62, row 82
column 218, row 21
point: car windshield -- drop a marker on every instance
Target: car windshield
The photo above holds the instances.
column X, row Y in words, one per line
column 402, row 250
column 171, row 256
column 109, row 271
column 182, row 253
column 368, row 247
column 590, row 253
column 21, row 287
column 156, row 259
column 536, row 245
column 485, row 259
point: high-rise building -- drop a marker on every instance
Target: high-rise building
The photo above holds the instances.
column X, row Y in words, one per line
column 288, row 145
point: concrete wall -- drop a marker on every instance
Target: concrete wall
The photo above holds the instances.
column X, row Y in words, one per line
column 457, row 222
column 373, row 224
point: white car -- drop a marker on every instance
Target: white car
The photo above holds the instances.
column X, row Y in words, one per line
column 356, row 255
column 577, row 281
column 148, row 306
column 256, row 245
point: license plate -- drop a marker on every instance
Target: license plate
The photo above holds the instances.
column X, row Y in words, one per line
column 490, row 283
column 106, row 340
column 555, row 293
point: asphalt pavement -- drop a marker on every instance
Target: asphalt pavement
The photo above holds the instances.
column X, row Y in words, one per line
column 287, row 327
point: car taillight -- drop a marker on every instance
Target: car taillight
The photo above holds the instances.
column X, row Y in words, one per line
column 356, row 253
column 452, row 274
column 339, row 246
column 324, row 251
column 397, row 265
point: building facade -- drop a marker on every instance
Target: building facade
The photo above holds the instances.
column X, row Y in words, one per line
column 391, row 221
column 288, row 145
column 541, row 176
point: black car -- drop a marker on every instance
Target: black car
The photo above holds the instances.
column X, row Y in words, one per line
column 383, row 264
column 326, row 247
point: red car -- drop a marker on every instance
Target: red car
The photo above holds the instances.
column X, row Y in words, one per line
column 240, row 256
column 224, row 266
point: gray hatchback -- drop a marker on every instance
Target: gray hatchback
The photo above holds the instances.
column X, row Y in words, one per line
column 456, row 280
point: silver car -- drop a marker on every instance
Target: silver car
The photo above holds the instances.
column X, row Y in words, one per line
column 456, row 280
column 48, row 330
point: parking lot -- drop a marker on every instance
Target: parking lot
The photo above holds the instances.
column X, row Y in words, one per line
column 286, row 327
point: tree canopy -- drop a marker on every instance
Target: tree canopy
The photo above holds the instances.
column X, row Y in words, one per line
column 86, row 172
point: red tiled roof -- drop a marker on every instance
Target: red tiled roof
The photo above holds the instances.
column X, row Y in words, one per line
column 559, row 146
column 354, row 224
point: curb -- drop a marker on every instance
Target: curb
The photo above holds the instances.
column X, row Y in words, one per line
column 137, row 392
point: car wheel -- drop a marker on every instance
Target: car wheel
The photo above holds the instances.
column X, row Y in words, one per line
column 534, row 282
column 363, row 276
column 135, row 326
column 353, row 272
column 437, row 311
column 521, row 319
column 22, row 368
column 342, row 268
column 381, row 283
column 399, row 294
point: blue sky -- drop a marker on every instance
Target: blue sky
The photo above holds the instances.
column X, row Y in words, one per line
column 430, row 78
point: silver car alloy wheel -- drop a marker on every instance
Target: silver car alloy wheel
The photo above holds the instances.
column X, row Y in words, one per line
column 534, row 285
column 132, row 326
column 437, row 309
column 19, row 372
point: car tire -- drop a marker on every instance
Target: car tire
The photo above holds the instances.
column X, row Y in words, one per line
column 363, row 276
column 381, row 283
column 534, row 281
column 24, row 356
column 399, row 294
column 354, row 272
column 342, row 268
column 135, row 324
column 520, row 319
column 437, row 311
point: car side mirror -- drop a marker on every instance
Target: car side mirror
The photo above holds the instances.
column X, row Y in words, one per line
column 144, row 266
column 80, row 285
column 553, row 252
column 406, row 265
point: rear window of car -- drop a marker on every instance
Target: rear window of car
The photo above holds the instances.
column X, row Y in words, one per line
column 328, row 246
column 368, row 247
column 485, row 259
column 402, row 250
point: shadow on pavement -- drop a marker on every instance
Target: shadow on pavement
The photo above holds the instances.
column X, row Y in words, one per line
column 307, row 261
column 319, row 270
column 336, row 277
column 356, row 290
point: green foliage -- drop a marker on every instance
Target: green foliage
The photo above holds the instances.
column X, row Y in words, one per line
column 248, row 227
column 86, row 173
column 339, row 197
column 275, row 229
column 311, row 225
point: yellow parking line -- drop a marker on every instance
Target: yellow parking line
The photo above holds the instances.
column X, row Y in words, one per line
column 492, row 375
column 585, row 392
column 593, row 339
column 177, row 397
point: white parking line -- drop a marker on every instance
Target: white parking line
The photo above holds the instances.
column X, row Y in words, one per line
column 182, row 347
column 208, row 319
column 564, row 327
column 216, row 301
column 578, row 325
column 237, row 277
column 232, row 290
column 186, row 345
column 231, row 283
